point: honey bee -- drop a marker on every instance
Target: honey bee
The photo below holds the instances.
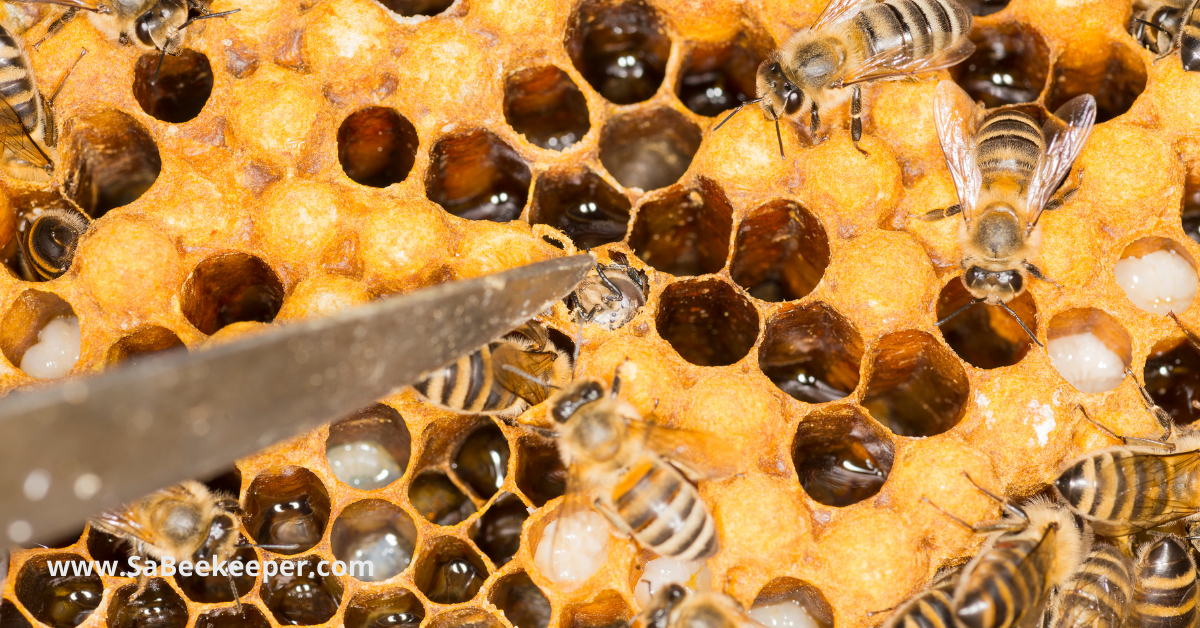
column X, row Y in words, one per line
column 676, row 607
column 1099, row 595
column 929, row 608
column 1165, row 594
column 1034, row 549
column 1156, row 24
column 1005, row 168
column 183, row 522
column 855, row 42
column 637, row 474
column 48, row 242
column 502, row 378
column 611, row 295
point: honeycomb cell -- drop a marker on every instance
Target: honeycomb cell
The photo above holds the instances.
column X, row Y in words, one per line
column 707, row 322
column 545, row 106
column 297, row 596
column 227, row 483
column 478, row 177
column 482, row 460
column 376, row 532
column 981, row 8
column 986, row 336
column 541, row 475
column 21, row 328
column 64, row 541
column 1009, row 66
column 840, row 458
column 412, row 8
column 918, row 388
column 781, row 252
column 1172, row 377
column 287, row 506
column 370, row 449
column 1116, row 84
column 114, row 161
column 159, row 606
column 436, row 498
column 620, row 49
column 1158, row 275
column 182, row 86
column 250, row 617
column 718, row 77
column 499, row 534
column 791, row 602
column 214, row 589
column 229, row 288
column 146, row 341
column 522, row 602
column 377, row 146
column 648, row 149
column 1089, row 348
column 106, row 548
column 464, row 618
column 450, row 572
column 812, row 353
column 11, row 617
column 607, row 610
column 58, row 601
column 396, row 608
column 583, row 206
column 686, row 232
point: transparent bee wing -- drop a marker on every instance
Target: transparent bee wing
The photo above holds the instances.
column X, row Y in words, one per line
column 1080, row 614
column 1066, row 132
column 1149, row 475
column 838, row 11
column 957, row 137
column 699, row 455
column 524, row 373
column 16, row 139
column 78, row 4
column 901, row 62
column 569, row 524
column 535, row 332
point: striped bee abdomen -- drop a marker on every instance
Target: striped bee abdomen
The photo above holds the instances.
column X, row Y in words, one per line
column 920, row 27
column 1122, row 490
column 665, row 511
column 1165, row 594
column 469, row 385
column 1009, row 145
column 1189, row 43
column 1099, row 595
column 16, row 83
column 929, row 609
column 48, row 243
column 1007, row 584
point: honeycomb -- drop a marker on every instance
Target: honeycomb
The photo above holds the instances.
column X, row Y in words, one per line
column 299, row 157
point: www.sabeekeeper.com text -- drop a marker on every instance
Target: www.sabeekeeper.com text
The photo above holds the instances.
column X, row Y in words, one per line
column 167, row 567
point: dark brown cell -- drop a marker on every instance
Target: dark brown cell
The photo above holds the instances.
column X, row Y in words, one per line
column 707, row 322
column 522, row 602
column 840, row 458
column 719, row 77
column 397, row 608
column 229, row 288
column 621, row 49
column 781, row 252
column 918, row 387
column 1172, row 376
column 812, row 353
column 499, row 534
column 142, row 343
column 377, row 146
column 411, row 8
column 113, row 161
column 1115, row 80
column 11, row 617
column 478, row 177
column 986, row 336
column 482, row 460
column 159, row 606
column 685, row 232
column 214, row 589
column 59, row 601
column 181, row 88
column 250, row 617
column 287, row 506
column 544, row 105
column 450, row 572
column 304, row 598
column 1010, row 65
column 435, row 497
column 541, row 475
column 583, row 206
column 648, row 149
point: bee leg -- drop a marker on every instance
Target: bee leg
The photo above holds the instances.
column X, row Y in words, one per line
column 58, row 25
column 814, row 122
column 1160, row 415
column 612, row 287
column 1064, row 196
column 1191, row 336
column 856, row 119
column 1126, row 440
column 938, row 214
column 999, row 526
column 142, row 582
column 236, row 599
column 1037, row 274
column 614, row 520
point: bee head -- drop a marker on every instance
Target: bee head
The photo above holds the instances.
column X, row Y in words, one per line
column 994, row 286
column 779, row 95
column 221, row 541
column 664, row 603
column 159, row 27
column 574, row 397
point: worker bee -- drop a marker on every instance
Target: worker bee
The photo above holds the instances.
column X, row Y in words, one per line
column 1034, row 549
column 638, row 474
column 1156, row 24
column 185, row 522
column 1099, row 595
column 676, row 607
column 1165, row 593
column 48, row 242
column 855, row 42
column 502, row 378
column 929, row 608
column 1005, row 168
column 611, row 295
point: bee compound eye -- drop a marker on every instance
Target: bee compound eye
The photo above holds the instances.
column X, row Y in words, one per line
column 792, row 102
column 143, row 29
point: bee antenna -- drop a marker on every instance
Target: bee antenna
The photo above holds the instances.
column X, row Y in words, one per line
column 779, row 136
column 1152, row 25
column 882, row 610
column 66, row 76
column 236, row 600
column 1004, row 503
column 734, row 112
column 1191, row 336
column 205, row 17
column 949, row 515
column 959, row 311
column 1022, row 324
column 158, row 69
column 541, row 382
column 245, row 544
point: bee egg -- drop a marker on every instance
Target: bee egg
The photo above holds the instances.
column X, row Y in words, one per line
column 363, row 464
column 692, row 574
column 1084, row 361
column 581, row 551
column 56, row 349
column 1158, row 282
column 785, row 614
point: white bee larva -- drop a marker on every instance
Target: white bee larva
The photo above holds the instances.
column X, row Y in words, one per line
column 1159, row 282
column 785, row 614
column 363, row 464
column 1084, row 361
column 580, row 553
column 388, row 553
column 690, row 574
column 56, row 349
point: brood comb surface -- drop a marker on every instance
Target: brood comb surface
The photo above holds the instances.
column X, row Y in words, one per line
column 349, row 150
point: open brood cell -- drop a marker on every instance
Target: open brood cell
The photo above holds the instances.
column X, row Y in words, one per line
column 301, row 157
